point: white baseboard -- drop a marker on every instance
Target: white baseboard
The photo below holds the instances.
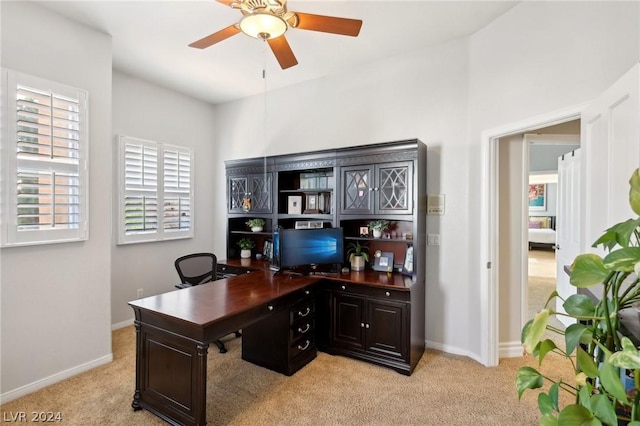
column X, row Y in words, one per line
column 510, row 349
column 122, row 324
column 55, row 378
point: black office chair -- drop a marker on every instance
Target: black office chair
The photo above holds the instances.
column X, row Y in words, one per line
column 198, row 268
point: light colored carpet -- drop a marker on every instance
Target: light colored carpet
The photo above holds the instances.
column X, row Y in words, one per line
column 331, row 390
column 541, row 283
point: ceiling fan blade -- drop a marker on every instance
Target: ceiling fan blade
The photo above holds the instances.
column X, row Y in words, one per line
column 280, row 47
column 216, row 37
column 328, row 24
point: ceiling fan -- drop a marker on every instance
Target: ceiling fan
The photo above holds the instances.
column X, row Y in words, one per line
column 268, row 20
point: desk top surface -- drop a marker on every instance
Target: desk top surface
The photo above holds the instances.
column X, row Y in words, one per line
column 207, row 303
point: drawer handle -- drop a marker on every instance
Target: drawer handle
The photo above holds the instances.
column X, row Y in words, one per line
column 307, row 327
column 306, row 345
column 387, row 293
column 367, row 326
column 362, row 325
column 344, row 287
column 306, row 313
column 307, row 292
column 270, row 307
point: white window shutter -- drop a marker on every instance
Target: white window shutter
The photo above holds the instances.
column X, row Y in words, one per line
column 45, row 151
column 155, row 191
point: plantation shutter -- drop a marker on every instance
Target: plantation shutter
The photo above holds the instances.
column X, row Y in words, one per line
column 46, row 168
column 177, row 189
column 155, row 191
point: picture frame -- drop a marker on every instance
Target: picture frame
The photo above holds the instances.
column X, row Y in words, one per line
column 538, row 197
column 267, row 249
column 364, row 231
column 294, row 204
column 311, row 204
column 407, row 265
column 384, row 262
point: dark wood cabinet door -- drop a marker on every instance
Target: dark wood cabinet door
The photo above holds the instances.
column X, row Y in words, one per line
column 261, row 190
column 386, row 331
column 348, row 321
column 357, row 190
column 393, row 189
column 257, row 188
column 238, row 187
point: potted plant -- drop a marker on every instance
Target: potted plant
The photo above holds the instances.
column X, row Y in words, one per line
column 256, row 224
column 246, row 244
column 599, row 346
column 378, row 226
column 358, row 255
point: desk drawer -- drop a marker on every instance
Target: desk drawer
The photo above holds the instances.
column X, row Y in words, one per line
column 302, row 328
column 370, row 291
column 303, row 346
column 302, row 310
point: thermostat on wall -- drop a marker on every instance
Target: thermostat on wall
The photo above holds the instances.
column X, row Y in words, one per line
column 435, row 204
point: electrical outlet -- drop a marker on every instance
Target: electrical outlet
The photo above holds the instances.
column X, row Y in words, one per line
column 139, row 293
column 433, row 239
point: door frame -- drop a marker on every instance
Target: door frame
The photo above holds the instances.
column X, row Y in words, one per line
column 489, row 202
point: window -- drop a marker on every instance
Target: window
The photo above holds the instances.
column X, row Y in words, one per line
column 44, row 161
column 155, row 191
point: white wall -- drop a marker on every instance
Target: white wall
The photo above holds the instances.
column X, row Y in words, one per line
column 150, row 112
column 55, row 318
column 538, row 57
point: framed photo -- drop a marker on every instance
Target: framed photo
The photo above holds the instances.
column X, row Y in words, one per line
column 407, row 265
column 267, row 249
column 364, row 231
column 384, row 262
column 312, row 204
column 294, row 205
column 538, row 196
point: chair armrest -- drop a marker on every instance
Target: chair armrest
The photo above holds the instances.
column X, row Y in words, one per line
column 183, row 285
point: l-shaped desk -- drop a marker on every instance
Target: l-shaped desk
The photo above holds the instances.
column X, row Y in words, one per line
column 174, row 329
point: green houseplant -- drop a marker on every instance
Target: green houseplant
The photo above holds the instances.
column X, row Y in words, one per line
column 358, row 255
column 378, row 226
column 256, row 224
column 599, row 346
column 246, row 244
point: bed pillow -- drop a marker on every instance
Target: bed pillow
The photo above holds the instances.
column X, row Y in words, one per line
column 543, row 221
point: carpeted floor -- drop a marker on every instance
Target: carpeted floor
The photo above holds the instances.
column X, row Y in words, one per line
column 331, row 390
column 541, row 283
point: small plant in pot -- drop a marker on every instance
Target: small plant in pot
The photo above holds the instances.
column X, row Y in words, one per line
column 246, row 244
column 378, row 226
column 601, row 346
column 256, row 224
column 358, row 255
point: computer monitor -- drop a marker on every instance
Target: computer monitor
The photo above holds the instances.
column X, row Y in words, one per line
column 300, row 248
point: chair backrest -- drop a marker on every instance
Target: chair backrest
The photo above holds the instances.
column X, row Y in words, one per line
column 196, row 268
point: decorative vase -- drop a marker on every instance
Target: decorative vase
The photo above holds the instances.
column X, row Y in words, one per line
column 377, row 233
column 357, row 263
column 256, row 228
column 245, row 253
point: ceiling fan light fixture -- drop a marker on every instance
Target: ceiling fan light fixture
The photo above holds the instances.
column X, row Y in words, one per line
column 263, row 26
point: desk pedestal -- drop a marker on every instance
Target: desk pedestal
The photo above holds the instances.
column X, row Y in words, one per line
column 171, row 376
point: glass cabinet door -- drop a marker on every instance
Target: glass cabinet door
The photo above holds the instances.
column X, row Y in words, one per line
column 393, row 188
column 238, row 186
column 261, row 193
column 357, row 190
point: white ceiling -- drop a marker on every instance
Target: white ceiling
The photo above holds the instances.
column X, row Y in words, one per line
column 150, row 39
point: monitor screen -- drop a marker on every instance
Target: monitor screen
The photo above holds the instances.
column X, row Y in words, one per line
column 304, row 247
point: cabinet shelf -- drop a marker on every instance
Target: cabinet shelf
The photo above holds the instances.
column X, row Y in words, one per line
column 385, row 240
column 268, row 233
column 305, row 190
column 319, row 216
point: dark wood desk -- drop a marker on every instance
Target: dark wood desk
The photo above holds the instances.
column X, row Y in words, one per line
column 174, row 331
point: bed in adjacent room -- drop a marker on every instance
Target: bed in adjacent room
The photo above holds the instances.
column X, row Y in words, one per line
column 542, row 232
